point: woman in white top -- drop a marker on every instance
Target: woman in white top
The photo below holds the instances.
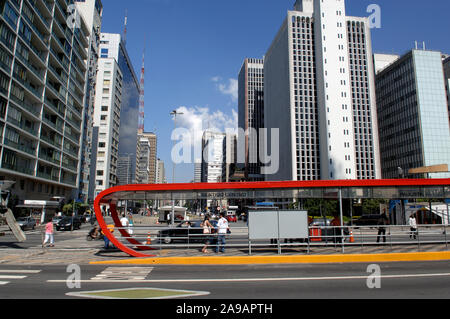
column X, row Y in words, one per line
column 206, row 225
column 413, row 225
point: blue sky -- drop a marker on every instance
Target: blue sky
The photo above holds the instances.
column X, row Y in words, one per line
column 195, row 50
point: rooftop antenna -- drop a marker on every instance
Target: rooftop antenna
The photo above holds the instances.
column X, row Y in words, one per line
column 142, row 96
column 125, row 28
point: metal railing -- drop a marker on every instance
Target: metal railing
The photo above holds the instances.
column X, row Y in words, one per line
column 340, row 238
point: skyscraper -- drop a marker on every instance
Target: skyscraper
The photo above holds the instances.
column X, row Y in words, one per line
column 320, row 94
column 108, row 101
column 212, row 156
column 160, row 172
column 147, row 159
column 446, row 63
column 413, row 114
column 44, row 69
column 112, row 46
column 251, row 114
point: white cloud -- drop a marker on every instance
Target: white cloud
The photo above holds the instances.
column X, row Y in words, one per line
column 230, row 88
column 198, row 119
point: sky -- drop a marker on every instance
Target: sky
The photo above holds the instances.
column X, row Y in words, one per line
column 195, row 49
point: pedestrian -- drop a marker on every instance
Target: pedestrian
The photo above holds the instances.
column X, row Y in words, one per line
column 336, row 229
column 124, row 221
column 382, row 222
column 49, row 234
column 222, row 230
column 207, row 227
column 131, row 224
column 109, row 228
column 413, row 225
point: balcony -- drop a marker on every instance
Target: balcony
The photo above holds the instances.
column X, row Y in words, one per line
column 25, row 147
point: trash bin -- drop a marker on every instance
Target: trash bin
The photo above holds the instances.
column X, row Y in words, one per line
column 315, row 234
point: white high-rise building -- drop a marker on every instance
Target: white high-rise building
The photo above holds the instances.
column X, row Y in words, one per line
column 198, row 171
column 160, row 172
column 212, row 156
column 320, row 94
column 108, row 101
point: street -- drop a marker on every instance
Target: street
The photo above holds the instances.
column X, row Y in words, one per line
column 405, row 280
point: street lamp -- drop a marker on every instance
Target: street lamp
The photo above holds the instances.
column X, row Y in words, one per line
column 174, row 113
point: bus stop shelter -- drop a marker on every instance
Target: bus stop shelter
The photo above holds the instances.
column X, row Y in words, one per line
column 401, row 189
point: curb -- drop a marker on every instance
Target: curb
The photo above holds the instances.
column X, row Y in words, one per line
column 264, row 260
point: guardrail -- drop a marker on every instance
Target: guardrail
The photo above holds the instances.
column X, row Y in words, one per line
column 160, row 237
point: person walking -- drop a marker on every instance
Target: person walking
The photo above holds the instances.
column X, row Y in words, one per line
column 110, row 228
column 124, row 221
column 382, row 222
column 413, row 225
column 49, row 235
column 207, row 227
column 222, row 229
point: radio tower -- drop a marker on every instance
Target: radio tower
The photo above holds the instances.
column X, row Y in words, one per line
column 141, row 97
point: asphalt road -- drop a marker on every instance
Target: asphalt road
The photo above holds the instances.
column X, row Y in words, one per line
column 414, row 280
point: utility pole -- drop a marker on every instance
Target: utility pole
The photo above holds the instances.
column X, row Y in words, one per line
column 174, row 113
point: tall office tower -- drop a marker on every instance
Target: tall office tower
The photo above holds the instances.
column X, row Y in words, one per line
column 43, row 79
column 112, row 46
column 142, row 160
column 251, row 114
column 229, row 160
column 413, row 114
column 212, row 156
column 108, row 101
column 152, row 160
column 125, row 169
column 147, row 159
column 446, row 64
column 160, row 172
column 91, row 11
column 382, row 61
column 197, row 170
column 319, row 92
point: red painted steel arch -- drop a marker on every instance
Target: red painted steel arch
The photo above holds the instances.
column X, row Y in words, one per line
column 108, row 197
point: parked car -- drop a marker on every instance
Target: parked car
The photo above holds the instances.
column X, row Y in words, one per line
column 26, row 223
column 367, row 220
column 186, row 231
column 56, row 219
column 68, row 223
column 231, row 217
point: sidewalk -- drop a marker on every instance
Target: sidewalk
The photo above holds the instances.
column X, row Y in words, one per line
column 77, row 250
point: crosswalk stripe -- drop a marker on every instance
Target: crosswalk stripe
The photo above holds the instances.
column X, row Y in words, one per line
column 4, row 283
column 124, row 273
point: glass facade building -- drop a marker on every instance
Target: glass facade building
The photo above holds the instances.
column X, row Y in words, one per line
column 413, row 114
column 112, row 46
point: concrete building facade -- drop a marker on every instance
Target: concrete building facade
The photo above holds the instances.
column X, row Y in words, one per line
column 108, row 101
column 44, row 69
column 320, row 94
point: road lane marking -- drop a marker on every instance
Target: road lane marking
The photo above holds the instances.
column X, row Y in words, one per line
column 12, row 277
column 15, row 271
column 257, row 279
column 4, row 283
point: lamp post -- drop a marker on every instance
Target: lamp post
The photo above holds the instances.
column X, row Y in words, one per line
column 174, row 113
